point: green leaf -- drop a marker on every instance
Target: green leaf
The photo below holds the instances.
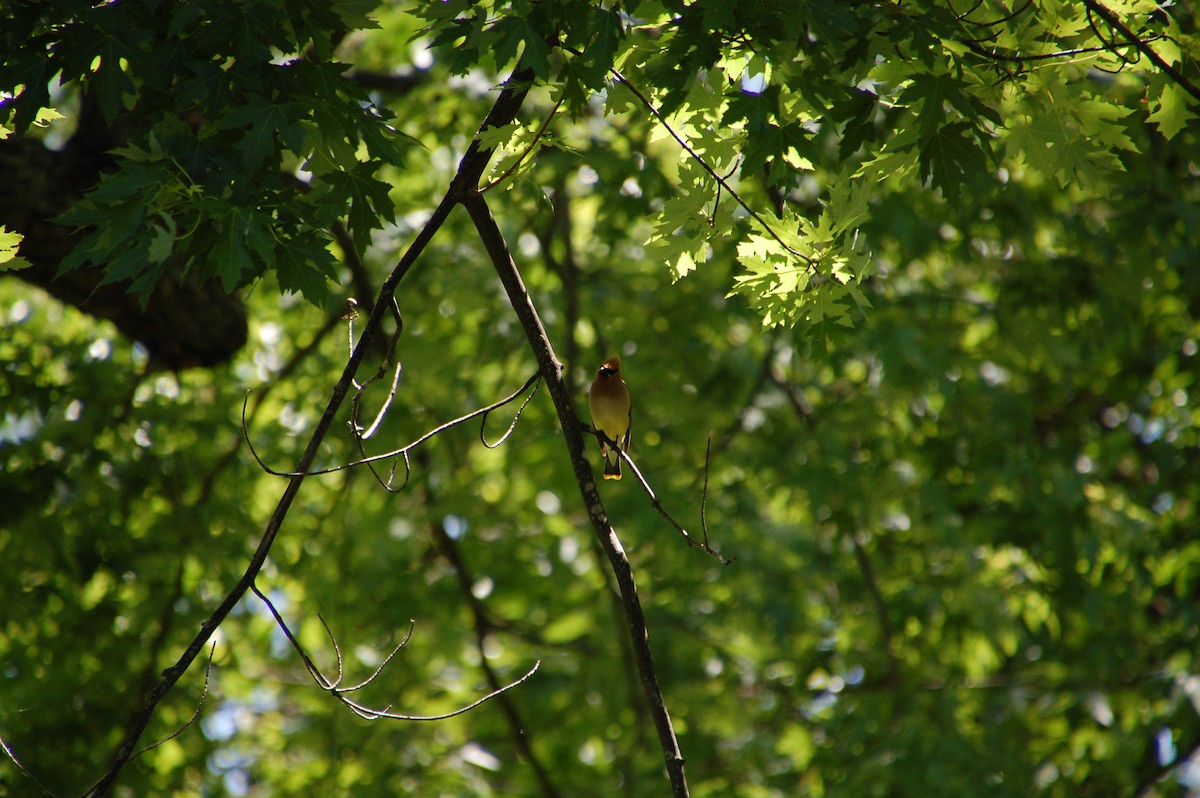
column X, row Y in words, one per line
column 265, row 121
column 10, row 242
column 1097, row 122
column 162, row 241
column 45, row 116
column 304, row 265
column 112, row 84
column 230, row 258
column 356, row 14
column 758, row 109
column 366, row 200
column 606, row 32
column 1172, row 110
column 934, row 93
column 950, row 157
column 519, row 32
column 857, row 111
column 788, row 148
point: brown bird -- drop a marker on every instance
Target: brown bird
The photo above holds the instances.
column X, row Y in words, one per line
column 612, row 413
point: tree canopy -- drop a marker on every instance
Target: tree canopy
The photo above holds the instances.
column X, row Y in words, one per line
column 301, row 302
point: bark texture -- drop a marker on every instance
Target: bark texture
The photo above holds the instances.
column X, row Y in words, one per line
column 185, row 324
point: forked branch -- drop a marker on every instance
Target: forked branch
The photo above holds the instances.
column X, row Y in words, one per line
column 342, row 694
column 702, row 544
column 508, row 102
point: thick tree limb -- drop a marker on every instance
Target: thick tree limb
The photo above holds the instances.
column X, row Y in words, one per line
column 560, row 393
column 185, row 324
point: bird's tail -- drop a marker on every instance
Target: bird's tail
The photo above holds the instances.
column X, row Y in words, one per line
column 612, row 464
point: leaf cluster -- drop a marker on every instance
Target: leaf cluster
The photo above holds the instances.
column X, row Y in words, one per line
column 241, row 141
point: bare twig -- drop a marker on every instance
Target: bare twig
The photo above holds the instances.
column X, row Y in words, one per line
column 1020, row 58
column 389, row 358
column 195, row 715
column 704, row 493
column 12, row 757
column 334, row 688
column 366, row 434
column 403, row 451
column 1016, row 12
column 657, row 505
column 536, row 381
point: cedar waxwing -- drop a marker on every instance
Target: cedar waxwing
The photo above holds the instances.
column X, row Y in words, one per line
column 611, row 412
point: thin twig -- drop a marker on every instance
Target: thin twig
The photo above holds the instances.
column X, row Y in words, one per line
column 1143, row 46
column 1018, row 11
column 698, row 158
column 657, row 505
column 704, row 493
column 369, row 432
column 536, row 380
column 12, row 757
column 403, row 450
column 195, row 715
column 389, row 355
column 996, row 55
column 334, row 688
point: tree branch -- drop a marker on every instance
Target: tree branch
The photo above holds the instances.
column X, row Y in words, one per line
column 469, row 171
column 403, row 451
column 560, row 393
column 1142, row 46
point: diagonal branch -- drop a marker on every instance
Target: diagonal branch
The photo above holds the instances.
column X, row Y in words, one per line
column 1102, row 11
column 12, row 757
column 560, row 393
column 508, row 102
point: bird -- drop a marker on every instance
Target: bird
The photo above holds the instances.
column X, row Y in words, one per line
column 612, row 413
